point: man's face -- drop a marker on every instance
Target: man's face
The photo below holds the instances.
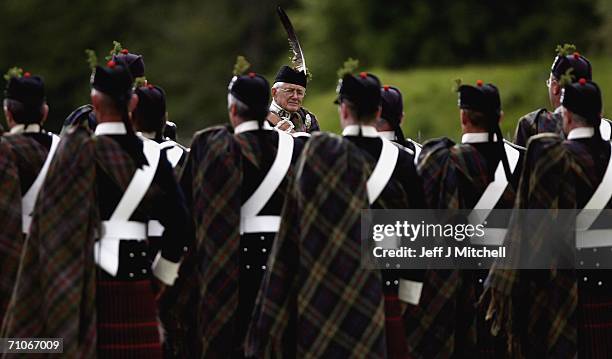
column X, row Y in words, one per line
column 554, row 90
column 289, row 96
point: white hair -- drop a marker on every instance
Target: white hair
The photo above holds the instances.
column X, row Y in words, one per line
column 278, row 85
column 242, row 108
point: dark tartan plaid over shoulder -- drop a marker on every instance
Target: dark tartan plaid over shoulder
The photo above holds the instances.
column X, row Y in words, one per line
column 55, row 294
column 536, row 310
column 444, row 322
column 11, row 237
column 55, row 287
column 316, row 300
column 538, row 121
column 202, row 304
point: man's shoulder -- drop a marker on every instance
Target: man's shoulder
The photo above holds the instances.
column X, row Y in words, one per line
column 305, row 111
column 209, row 133
column 531, row 117
column 519, row 148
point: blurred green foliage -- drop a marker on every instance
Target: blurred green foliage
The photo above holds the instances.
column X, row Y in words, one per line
column 430, row 104
column 190, row 46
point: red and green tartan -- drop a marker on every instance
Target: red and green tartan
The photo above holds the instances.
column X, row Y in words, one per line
column 316, row 299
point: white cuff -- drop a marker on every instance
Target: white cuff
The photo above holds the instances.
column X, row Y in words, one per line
column 410, row 291
column 165, row 270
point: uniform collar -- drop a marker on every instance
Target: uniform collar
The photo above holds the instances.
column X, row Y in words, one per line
column 558, row 110
column 21, row 128
column 389, row 135
column 110, row 128
column 477, row 137
column 276, row 108
column 246, row 126
column 581, row 132
column 366, row 131
column 149, row 135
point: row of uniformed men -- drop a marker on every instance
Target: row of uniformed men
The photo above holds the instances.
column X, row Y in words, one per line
column 276, row 217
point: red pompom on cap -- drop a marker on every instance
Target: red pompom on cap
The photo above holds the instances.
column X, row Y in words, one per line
column 111, row 64
column 479, row 83
column 252, row 74
column 576, row 55
column 386, row 87
column 124, row 51
column 363, row 75
column 26, row 74
column 582, row 81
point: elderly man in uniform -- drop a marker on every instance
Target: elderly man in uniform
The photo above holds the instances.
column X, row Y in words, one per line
column 542, row 120
column 286, row 111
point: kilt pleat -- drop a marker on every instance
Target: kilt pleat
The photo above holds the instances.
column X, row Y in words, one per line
column 397, row 347
column 127, row 320
column 594, row 324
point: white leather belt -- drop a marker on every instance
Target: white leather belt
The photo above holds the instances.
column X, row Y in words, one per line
column 492, row 237
column 250, row 222
column 118, row 227
column 29, row 199
column 26, row 221
column 124, row 230
column 495, row 189
column 383, row 170
column 594, row 238
column 260, row 224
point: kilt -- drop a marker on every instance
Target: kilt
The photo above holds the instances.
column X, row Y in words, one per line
column 594, row 324
column 127, row 320
column 488, row 346
column 395, row 333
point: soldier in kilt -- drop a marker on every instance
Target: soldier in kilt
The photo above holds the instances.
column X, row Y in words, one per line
column 26, row 147
column 446, row 321
column 316, row 299
column 236, row 184
column 560, row 313
column 85, row 276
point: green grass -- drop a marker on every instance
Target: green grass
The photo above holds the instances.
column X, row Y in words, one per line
column 430, row 106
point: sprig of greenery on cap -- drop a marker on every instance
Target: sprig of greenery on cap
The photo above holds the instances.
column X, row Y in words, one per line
column 567, row 78
column 349, row 66
column 241, row 65
column 92, row 58
column 140, row 81
column 456, row 84
column 16, row 72
column 116, row 50
column 565, row 49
